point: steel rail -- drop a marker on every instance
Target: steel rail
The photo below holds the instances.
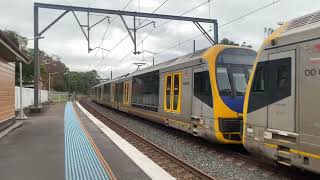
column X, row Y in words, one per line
column 195, row 172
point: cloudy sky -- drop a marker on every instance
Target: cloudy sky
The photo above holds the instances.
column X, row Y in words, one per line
column 66, row 39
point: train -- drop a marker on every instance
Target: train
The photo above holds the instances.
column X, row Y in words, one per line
column 281, row 108
column 266, row 100
column 201, row 93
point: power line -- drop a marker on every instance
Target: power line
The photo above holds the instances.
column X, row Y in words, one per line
column 249, row 13
column 153, row 11
column 190, row 10
column 128, row 33
column 223, row 25
column 105, row 32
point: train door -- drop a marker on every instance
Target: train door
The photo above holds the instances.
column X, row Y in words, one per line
column 112, row 95
column 116, row 95
column 126, row 93
column 196, row 102
column 202, row 101
column 172, row 92
column 281, row 113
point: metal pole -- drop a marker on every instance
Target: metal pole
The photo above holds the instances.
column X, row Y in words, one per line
column 216, row 35
column 49, row 83
column 88, row 31
column 36, row 58
column 111, row 73
column 135, row 35
column 152, row 61
column 21, row 115
column 194, row 45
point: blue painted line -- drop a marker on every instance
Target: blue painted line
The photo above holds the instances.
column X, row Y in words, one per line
column 81, row 160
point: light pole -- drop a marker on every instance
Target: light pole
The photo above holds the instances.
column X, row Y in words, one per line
column 50, row 81
column 21, row 115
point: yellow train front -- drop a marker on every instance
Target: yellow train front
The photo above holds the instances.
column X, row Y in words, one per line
column 200, row 93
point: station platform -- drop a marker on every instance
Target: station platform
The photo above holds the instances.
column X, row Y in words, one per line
column 66, row 142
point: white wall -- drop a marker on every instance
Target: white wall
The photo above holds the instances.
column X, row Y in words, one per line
column 27, row 97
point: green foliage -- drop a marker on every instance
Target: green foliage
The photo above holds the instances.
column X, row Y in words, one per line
column 17, row 39
column 229, row 42
column 81, row 82
column 61, row 78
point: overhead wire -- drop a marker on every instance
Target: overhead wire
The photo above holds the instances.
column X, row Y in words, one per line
column 190, row 10
column 223, row 25
column 105, row 32
column 153, row 12
column 128, row 33
column 116, row 45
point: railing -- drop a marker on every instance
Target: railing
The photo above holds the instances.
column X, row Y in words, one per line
column 55, row 96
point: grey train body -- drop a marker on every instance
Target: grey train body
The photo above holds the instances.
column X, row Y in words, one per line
column 282, row 121
column 151, row 107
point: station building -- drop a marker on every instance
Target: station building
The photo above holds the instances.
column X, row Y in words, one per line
column 9, row 55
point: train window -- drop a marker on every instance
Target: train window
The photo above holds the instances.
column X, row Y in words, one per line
column 126, row 93
column 240, row 82
column 99, row 92
column 124, row 89
column 202, row 87
column 145, row 91
column 223, row 81
column 113, row 89
column 168, row 92
column 106, row 92
column 176, row 92
column 120, row 91
column 283, row 77
column 259, row 80
column 172, row 92
column 237, row 56
column 271, row 83
column 280, row 78
column 116, row 94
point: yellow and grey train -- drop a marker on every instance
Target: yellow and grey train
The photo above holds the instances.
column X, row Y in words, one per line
column 201, row 93
column 282, row 102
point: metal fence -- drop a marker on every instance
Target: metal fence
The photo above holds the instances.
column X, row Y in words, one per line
column 55, row 96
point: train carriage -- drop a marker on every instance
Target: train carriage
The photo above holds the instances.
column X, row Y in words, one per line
column 200, row 93
column 281, row 113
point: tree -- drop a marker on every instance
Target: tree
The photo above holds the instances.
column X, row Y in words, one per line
column 17, row 39
column 81, row 82
column 22, row 43
column 64, row 80
column 228, row 42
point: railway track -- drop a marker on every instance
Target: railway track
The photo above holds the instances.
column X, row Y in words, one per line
column 172, row 164
column 235, row 154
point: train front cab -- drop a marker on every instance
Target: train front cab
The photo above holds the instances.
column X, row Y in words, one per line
column 282, row 102
column 229, row 70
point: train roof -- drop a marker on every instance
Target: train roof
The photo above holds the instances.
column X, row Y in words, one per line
column 309, row 21
column 299, row 29
column 169, row 63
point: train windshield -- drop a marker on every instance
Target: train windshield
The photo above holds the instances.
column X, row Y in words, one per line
column 223, row 81
column 240, row 81
column 234, row 66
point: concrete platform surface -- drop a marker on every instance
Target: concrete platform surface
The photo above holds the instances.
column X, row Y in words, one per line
column 36, row 149
column 63, row 143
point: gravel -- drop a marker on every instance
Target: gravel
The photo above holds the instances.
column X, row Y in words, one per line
column 206, row 158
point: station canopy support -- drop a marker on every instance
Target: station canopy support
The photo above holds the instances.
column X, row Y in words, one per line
column 85, row 28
